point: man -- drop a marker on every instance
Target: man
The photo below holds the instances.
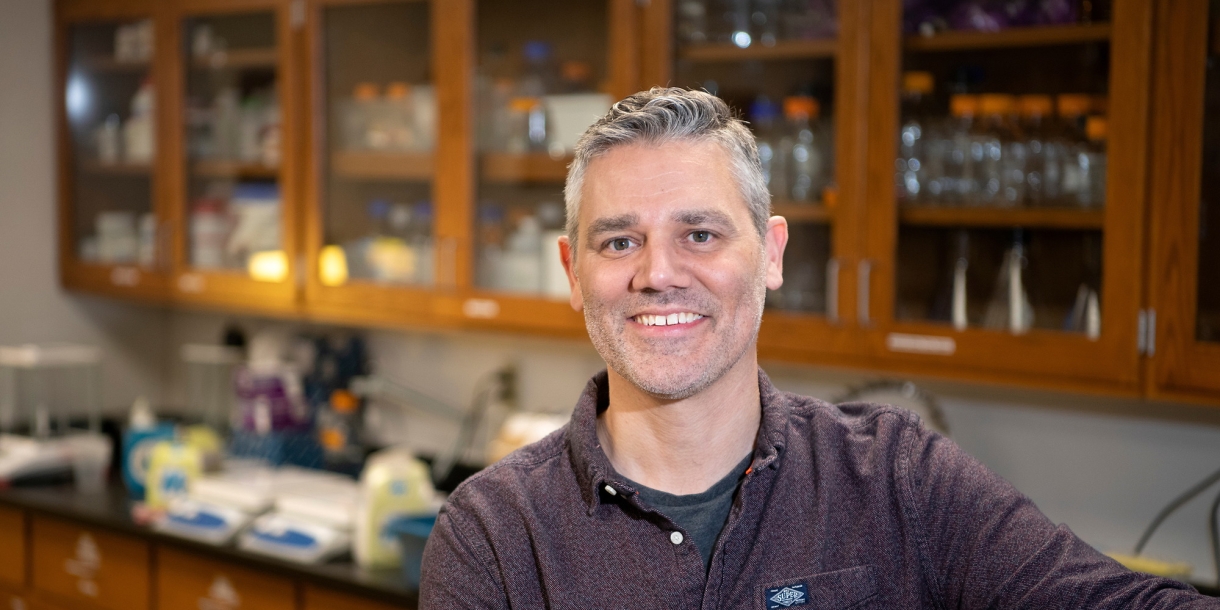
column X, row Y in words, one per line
column 685, row 479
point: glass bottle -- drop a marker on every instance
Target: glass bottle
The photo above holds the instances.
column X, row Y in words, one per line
column 765, row 21
column 804, row 149
column 960, row 181
column 1070, row 139
column 1091, row 159
column 986, row 148
column 764, row 113
column 692, row 21
column 911, row 168
column 1042, row 171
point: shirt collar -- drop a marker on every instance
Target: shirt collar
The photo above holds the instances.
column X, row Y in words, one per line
column 593, row 469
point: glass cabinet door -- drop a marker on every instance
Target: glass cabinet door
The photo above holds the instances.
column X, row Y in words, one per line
column 380, row 111
column 1185, row 159
column 113, row 229
column 1008, row 123
column 542, row 76
column 236, row 96
column 777, row 63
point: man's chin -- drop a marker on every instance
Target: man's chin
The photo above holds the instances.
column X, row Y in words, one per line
column 670, row 386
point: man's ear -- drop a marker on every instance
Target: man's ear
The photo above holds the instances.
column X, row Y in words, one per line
column 775, row 240
column 567, row 257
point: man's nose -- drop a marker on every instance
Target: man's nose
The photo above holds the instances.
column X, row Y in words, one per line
column 661, row 268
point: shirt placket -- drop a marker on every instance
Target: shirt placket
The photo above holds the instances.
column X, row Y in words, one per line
column 687, row 562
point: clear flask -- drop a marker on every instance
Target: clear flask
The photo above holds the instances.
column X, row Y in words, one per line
column 911, row 167
column 804, row 149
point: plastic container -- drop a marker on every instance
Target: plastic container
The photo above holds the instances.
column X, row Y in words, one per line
column 413, row 535
column 143, row 432
column 394, row 485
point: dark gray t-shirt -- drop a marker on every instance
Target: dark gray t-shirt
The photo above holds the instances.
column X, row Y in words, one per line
column 702, row 515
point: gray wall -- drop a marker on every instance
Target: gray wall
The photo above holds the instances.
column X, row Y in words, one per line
column 33, row 308
column 1102, row 466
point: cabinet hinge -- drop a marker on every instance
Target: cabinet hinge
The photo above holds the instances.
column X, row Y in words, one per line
column 1146, row 339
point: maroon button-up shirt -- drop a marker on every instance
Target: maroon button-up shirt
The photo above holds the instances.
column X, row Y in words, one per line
column 850, row 506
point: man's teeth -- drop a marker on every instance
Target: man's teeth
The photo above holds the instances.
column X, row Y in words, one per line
column 669, row 320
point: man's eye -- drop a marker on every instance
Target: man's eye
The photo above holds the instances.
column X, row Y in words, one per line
column 701, row 237
column 620, row 244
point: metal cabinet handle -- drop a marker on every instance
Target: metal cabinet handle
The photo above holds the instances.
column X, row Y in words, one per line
column 832, row 290
column 865, row 270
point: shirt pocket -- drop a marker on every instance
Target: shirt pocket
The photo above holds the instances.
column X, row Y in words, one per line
column 837, row 590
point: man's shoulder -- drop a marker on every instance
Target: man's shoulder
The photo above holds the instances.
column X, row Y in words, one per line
column 853, row 416
column 513, row 478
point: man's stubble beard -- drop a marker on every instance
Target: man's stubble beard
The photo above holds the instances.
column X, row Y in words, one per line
column 606, row 328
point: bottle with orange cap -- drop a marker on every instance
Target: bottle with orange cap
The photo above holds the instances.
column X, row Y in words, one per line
column 1042, row 173
column 1073, row 112
column 986, row 147
column 960, row 182
column 1091, row 159
column 356, row 112
column 805, row 149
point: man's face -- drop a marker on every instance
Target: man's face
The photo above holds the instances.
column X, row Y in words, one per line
column 671, row 273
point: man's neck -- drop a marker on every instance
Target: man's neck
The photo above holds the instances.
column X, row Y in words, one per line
column 682, row 446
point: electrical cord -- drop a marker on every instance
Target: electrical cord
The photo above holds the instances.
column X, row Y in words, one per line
column 1177, row 503
column 1215, row 535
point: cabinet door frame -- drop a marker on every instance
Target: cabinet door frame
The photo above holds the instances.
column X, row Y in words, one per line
column 793, row 336
column 1053, row 359
column 126, row 281
column 233, row 290
column 365, row 302
column 1180, row 366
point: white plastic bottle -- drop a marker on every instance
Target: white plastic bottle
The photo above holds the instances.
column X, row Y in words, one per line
column 393, row 484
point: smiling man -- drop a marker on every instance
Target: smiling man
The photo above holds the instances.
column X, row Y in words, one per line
column 685, row 479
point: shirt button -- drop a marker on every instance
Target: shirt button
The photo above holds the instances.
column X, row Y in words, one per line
column 610, row 490
column 675, row 537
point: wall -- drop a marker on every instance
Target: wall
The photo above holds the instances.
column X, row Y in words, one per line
column 1104, row 467
column 33, row 308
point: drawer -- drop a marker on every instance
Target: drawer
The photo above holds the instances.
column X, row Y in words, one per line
column 317, row 598
column 186, row 580
column 79, row 563
column 12, row 540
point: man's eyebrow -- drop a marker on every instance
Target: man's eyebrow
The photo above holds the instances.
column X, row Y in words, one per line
column 703, row 217
column 612, row 224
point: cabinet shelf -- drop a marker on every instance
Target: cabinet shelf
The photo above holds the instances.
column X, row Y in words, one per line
column 801, row 212
column 787, row 49
column 105, row 63
column 527, row 167
column 374, row 165
column 1041, row 218
column 238, row 59
column 234, row 169
column 115, row 169
column 1015, row 37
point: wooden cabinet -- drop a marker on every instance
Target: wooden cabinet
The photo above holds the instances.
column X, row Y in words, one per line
column 1185, row 204
column 401, row 163
column 234, row 96
column 983, row 275
column 13, row 541
column 89, row 567
column 113, row 231
column 186, row 580
column 318, row 598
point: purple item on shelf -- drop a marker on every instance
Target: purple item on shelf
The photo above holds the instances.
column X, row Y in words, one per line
column 269, row 402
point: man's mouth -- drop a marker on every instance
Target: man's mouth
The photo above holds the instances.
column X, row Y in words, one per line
column 672, row 319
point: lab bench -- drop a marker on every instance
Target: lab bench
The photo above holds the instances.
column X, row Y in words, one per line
column 62, row 550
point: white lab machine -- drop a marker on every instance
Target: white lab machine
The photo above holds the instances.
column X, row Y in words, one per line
column 49, row 396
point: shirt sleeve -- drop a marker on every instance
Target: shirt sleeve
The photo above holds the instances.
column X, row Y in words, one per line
column 454, row 574
column 985, row 545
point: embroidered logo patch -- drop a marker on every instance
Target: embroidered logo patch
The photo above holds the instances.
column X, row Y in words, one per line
column 787, row 596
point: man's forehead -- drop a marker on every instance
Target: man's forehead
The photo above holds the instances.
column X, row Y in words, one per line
column 649, row 179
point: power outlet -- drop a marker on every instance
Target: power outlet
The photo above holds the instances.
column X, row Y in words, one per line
column 507, row 381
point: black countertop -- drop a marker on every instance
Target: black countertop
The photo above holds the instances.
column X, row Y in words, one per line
column 111, row 509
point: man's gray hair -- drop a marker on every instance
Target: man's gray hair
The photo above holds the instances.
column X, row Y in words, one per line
column 669, row 114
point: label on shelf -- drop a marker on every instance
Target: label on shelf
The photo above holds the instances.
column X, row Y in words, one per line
column 191, row 282
column 920, row 344
column 125, row 276
column 485, row 309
